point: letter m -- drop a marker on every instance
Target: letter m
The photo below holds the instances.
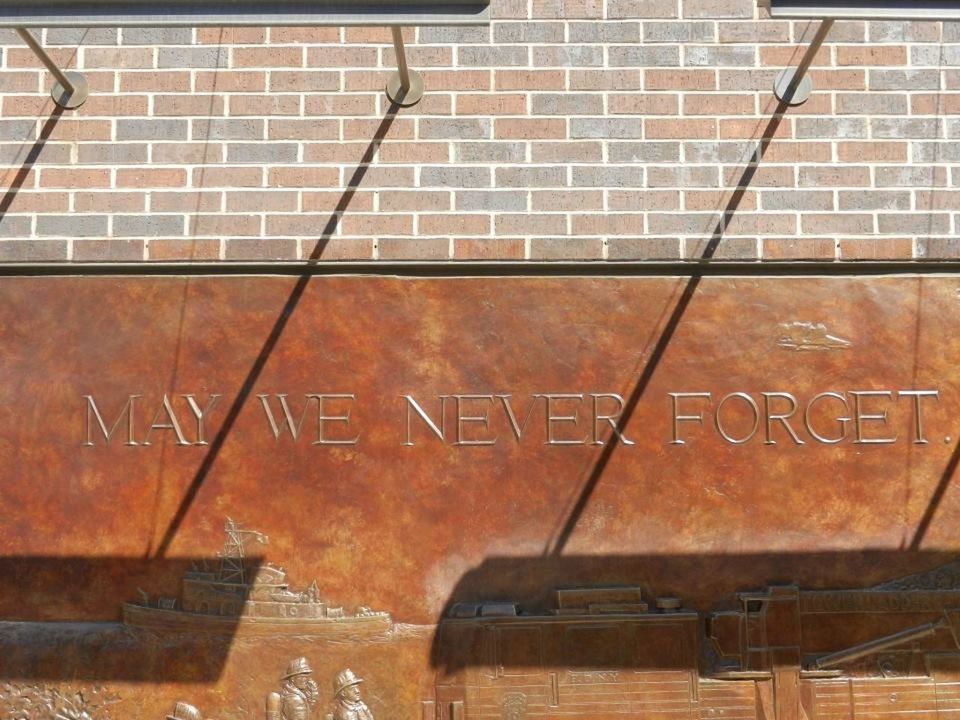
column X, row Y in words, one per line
column 93, row 413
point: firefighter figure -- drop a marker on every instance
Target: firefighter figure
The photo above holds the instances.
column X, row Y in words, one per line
column 346, row 698
column 298, row 693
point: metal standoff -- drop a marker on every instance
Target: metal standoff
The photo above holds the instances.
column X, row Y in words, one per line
column 793, row 85
column 71, row 89
column 405, row 86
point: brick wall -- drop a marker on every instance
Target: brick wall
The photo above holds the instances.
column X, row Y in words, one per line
column 568, row 130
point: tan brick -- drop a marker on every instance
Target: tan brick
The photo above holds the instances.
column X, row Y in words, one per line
column 871, row 55
column 643, row 103
column 488, row 249
column 151, row 177
column 304, row 35
column 354, row 224
column 268, row 57
column 107, row 250
column 110, row 202
column 645, row 200
column 608, row 224
column 26, row 201
column 363, row 129
column 566, row 200
column 529, row 80
column 261, row 249
column 606, row 79
column 529, row 128
column 713, row 104
column 185, row 105
column 224, row 225
column 413, row 249
column 259, row 105
column 526, row 224
column 798, row 249
column 186, row 201
column 686, row 80
column 228, row 177
column 454, row 224
column 182, row 249
column 303, row 129
column 155, row 81
column 414, row 201
column 304, row 81
column 644, row 248
column 852, row 151
column 718, row 200
column 491, row 104
column 74, row 178
column 80, row 130
column 329, row 249
column 581, row 248
column 227, row 81
column 680, row 128
column 834, row 176
column 876, row 248
column 303, row 176
column 320, row 201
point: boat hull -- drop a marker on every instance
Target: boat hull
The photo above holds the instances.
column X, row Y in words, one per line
column 176, row 621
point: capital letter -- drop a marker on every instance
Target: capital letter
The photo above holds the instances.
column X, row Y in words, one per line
column 611, row 419
column 918, row 437
column 438, row 431
column 678, row 418
column 201, row 414
column 107, row 434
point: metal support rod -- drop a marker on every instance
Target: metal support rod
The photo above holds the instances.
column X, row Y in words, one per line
column 71, row 90
column 793, row 86
column 38, row 50
column 401, row 57
column 405, row 86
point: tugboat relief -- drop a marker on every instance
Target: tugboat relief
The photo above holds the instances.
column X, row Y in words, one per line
column 237, row 598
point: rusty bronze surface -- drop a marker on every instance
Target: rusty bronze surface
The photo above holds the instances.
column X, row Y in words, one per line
column 506, row 498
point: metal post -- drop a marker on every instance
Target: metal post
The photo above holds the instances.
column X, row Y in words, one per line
column 405, row 86
column 793, row 86
column 71, row 90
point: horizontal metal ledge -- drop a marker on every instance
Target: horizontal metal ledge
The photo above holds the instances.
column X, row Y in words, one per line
column 240, row 13
column 467, row 269
column 863, row 9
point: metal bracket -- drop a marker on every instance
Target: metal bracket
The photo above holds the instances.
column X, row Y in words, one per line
column 71, row 90
column 405, row 86
column 793, row 85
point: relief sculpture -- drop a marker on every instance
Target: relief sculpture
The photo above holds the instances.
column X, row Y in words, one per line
column 234, row 597
column 298, row 693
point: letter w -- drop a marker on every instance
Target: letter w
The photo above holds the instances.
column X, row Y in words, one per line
column 293, row 428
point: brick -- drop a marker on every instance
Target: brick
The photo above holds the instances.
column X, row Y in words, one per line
column 260, row 105
column 270, row 153
column 612, row 128
column 228, row 81
column 582, row 248
column 147, row 129
column 186, row 201
column 231, row 36
column 527, row 32
column 567, row 56
column 490, row 200
column 529, row 128
column 907, row 128
column 871, row 55
column 73, row 225
column 261, row 249
column 648, row 151
column 643, row 200
column 938, row 248
column 614, row 79
column 714, row 104
column 223, row 225
column 114, row 250
column 920, row 223
column 871, row 103
column 833, row 176
column 488, row 249
column 565, row 152
column 181, row 249
column 681, row 129
column 720, row 9
column 563, row 9
column 459, row 177
column 454, row 224
column 118, row 58
column 687, row 176
column 876, row 249
column 643, row 104
column 329, row 249
column 530, row 176
column 834, row 223
column 193, row 153
column 799, row 249
column 303, row 176
column 872, row 151
column 491, row 56
column 414, row 201
column 904, row 79
column 644, row 248
column 489, row 104
column 109, row 202
column 699, row 200
column 32, row 250
column 566, row 200
column 910, row 176
column 608, row 224
column 529, row 80
column 644, row 56
column 413, row 249
column 18, row 226
column 801, row 200
column 74, row 177
column 151, row 225
column 193, row 57
column 767, row 31
column 646, row 9
column 567, row 104
column 304, row 35
column 844, row 127
column 719, row 56
column 527, row 224
column 679, row 32
column 455, row 128
column 303, row 129
column 608, row 176
column 150, row 177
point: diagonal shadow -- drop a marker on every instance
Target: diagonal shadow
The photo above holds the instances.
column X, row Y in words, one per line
column 29, row 161
column 924, row 525
column 558, row 543
column 279, row 326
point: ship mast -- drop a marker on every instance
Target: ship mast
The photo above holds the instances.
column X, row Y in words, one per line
column 231, row 557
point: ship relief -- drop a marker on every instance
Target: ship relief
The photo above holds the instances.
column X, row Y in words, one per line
column 234, row 597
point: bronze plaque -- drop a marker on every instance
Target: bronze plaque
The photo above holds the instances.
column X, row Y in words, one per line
column 455, row 498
